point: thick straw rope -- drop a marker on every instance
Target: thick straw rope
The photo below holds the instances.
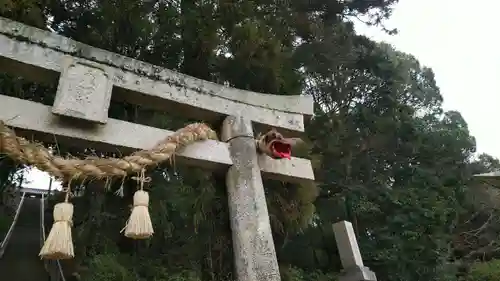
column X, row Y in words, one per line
column 59, row 244
column 26, row 152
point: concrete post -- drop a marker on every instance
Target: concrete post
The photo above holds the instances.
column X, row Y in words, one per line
column 350, row 256
column 255, row 255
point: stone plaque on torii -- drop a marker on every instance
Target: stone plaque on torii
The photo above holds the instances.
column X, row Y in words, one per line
column 89, row 77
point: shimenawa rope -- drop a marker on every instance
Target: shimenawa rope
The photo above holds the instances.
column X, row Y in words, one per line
column 59, row 244
column 25, row 152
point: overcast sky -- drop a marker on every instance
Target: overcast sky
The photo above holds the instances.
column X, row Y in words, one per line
column 457, row 40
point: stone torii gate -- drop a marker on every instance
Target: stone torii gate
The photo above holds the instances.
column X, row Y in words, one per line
column 90, row 77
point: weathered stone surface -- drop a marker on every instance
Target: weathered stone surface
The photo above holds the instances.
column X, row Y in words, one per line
column 253, row 245
column 146, row 84
column 120, row 135
column 84, row 92
column 347, row 244
column 350, row 256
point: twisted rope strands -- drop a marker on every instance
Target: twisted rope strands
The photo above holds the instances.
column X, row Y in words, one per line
column 25, row 152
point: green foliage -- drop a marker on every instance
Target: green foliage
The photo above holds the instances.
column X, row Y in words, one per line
column 185, row 275
column 290, row 273
column 107, row 267
column 387, row 157
column 27, row 11
column 485, row 271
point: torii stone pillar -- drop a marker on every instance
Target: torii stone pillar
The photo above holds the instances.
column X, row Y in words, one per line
column 253, row 245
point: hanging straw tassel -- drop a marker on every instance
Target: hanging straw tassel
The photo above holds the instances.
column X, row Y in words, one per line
column 59, row 243
column 139, row 224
